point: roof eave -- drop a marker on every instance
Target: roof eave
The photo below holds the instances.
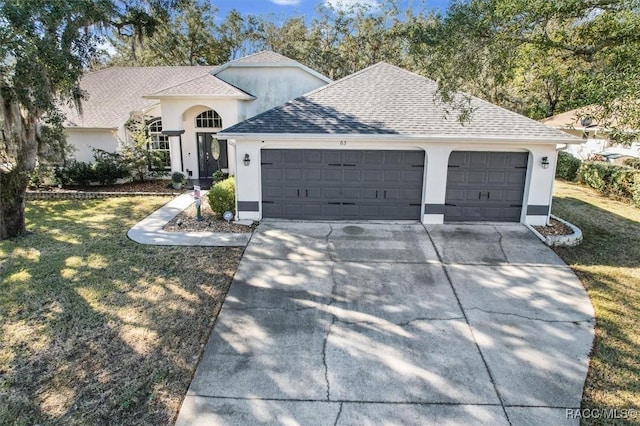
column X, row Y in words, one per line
column 272, row 65
column 400, row 138
column 201, row 96
column 91, row 128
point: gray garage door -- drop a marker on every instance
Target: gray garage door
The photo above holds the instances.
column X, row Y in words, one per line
column 485, row 186
column 332, row 184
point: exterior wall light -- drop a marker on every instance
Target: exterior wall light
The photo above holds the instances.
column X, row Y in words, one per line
column 545, row 162
column 247, row 160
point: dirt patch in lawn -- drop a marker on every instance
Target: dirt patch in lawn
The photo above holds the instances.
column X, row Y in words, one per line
column 96, row 329
column 187, row 221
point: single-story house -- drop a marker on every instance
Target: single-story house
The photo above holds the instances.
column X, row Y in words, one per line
column 185, row 107
column 377, row 145
column 579, row 122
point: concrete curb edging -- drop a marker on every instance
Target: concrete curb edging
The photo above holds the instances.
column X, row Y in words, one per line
column 149, row 230
column 80, row 195
column 560, row 240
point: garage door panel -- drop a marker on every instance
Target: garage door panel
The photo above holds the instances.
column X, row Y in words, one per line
column 372, row 176
column 344, row 185
column 312, row 175
column 413, row 176
column 352, row 176
column 487, row 186
column 333, row 174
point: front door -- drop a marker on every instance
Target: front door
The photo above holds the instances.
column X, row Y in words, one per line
column 212, row 154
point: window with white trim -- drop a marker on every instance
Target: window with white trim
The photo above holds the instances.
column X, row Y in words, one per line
column 209, row 118
column 158, row 146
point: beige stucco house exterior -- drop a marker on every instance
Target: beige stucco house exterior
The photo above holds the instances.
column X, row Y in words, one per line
column 185, row 107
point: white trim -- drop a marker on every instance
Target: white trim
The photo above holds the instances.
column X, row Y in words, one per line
column 92, row 129
column 292, row 64
column 396, row 138
column 199, row 96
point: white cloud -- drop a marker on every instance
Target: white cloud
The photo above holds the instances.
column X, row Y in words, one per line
column 350, row 4
column 285, row 2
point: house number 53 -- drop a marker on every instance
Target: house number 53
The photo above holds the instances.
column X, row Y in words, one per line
column 343, row 142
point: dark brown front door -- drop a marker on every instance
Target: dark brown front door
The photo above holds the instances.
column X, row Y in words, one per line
column 212, row 154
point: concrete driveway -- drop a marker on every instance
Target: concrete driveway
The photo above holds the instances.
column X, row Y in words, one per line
column 393, row 324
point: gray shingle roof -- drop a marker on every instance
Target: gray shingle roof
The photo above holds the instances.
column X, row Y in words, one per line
column 114, row 92
column 204, row 85
column 385, row 99
column 264, row 57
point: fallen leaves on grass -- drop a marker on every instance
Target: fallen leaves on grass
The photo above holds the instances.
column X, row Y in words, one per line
column 96, row 329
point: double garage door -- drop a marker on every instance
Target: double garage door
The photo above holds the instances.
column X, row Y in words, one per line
column 366, row 185
column 341, row 184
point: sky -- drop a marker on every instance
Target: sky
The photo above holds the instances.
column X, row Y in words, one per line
column 286, row 8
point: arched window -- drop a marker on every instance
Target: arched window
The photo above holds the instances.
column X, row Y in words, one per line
column 209, row 118
column 158, row 146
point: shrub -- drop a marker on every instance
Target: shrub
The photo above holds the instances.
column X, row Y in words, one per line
column 632, row 162
column 611, row 179
column 177, row 177
column 77, row 173
column 567, row 166
column 222, row 196
column 219, row 176
column 40, row 176
column 108, row 167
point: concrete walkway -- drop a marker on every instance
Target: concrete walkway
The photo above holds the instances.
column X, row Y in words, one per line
column 149, row 230
column 341, row 324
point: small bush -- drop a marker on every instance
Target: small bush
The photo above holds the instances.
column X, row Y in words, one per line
column 219, row 176
column 611, row 179
column 567, row 166
column 78, row 173
column 634, row 163
column 41, row 175
column 177, row 177
column 108, row 167
column 222, row 196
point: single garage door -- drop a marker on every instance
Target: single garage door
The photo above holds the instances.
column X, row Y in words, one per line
column 485, row 186
column 340, row 184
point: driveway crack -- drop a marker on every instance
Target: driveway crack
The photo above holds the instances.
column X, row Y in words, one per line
column 500, row 244
column 326, row 338
column 326, row 240
column 399, row 324
column 530, row 318
column 338, row 416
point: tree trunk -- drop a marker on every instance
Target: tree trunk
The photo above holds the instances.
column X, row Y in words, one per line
column 13, row 188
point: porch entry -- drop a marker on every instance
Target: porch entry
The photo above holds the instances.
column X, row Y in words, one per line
column 212, row 154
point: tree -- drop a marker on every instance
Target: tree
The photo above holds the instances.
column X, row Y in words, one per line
column 189, row 37
column 504, row 49
column 44, row 48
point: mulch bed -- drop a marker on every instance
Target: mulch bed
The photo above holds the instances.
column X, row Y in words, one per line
column 152, row 186
column 186, row 221
column 556, row 228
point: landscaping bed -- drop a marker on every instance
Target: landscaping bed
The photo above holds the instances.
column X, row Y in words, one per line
column 97, row 329
column 187, row 221
column 151, row 186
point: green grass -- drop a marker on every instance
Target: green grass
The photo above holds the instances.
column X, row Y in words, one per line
column 608, row 264
column 97, row 329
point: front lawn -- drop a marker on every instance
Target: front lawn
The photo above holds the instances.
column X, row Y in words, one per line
column 96, row 329
column 608, row 264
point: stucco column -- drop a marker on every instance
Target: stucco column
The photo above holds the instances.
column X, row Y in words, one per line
column 248, row 180
column 537, row 202
column 175, row 149
column 435, row 187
